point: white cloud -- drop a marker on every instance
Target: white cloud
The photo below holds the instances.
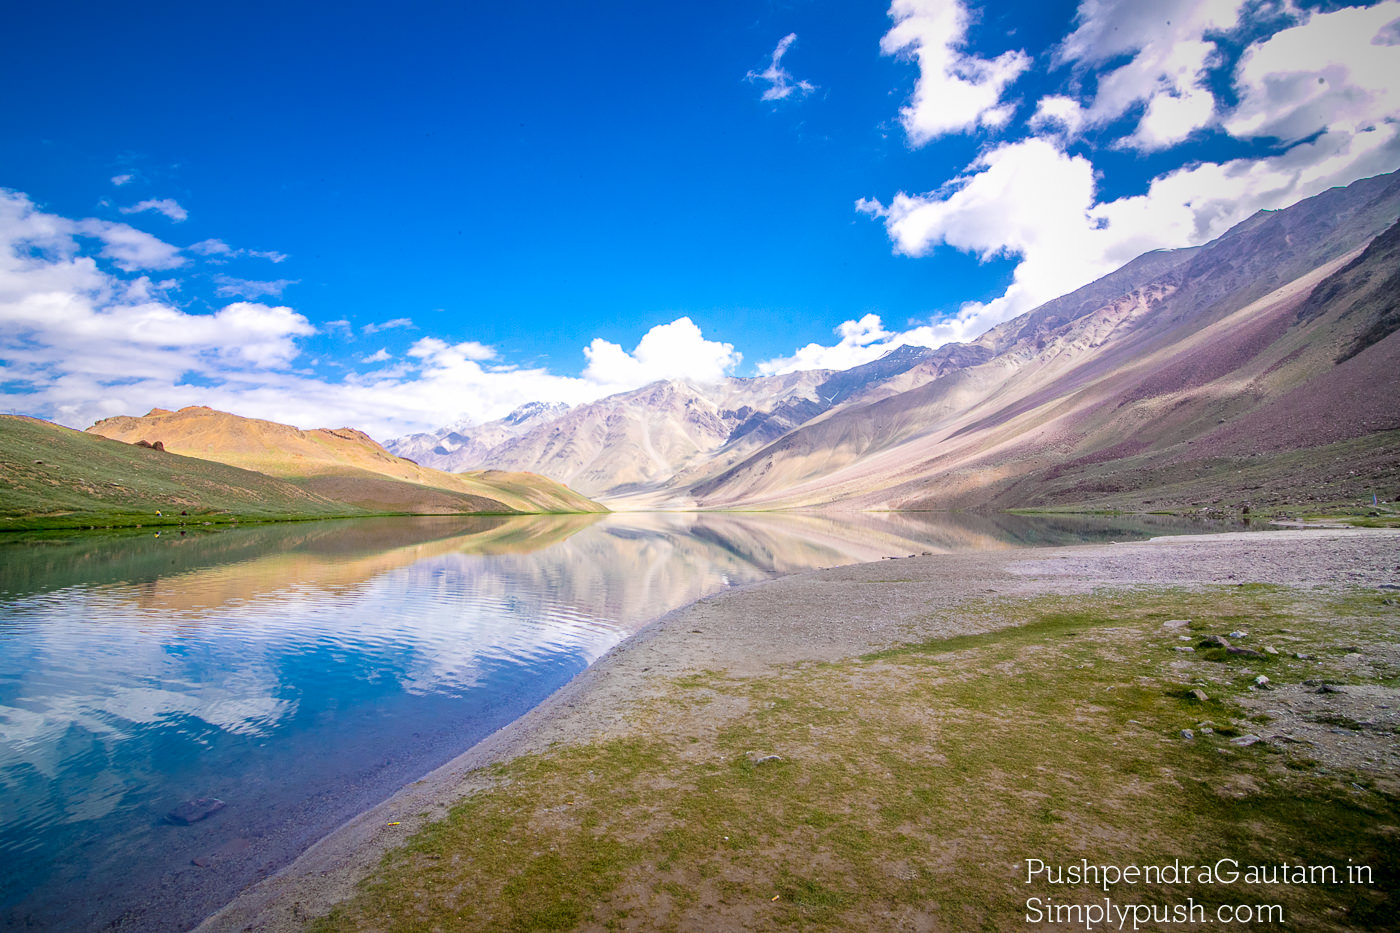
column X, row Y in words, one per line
column 861, row 341
column 668, row 351
column 955, row 91
column 443, row 354
column 379, row 357
column 167, row 206
column 229, row 287
column 129, row 248
column 781, row 84
column 1057, row 111
column 221, row 249
column 211, row 248
column 120, row 180
column 1169, row 53
column 1027, row 199
column 386, row 325
column 1335, row 72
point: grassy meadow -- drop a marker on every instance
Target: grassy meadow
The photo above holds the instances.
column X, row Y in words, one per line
column 907, row 789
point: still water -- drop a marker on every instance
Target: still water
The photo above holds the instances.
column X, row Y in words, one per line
column 301, row 673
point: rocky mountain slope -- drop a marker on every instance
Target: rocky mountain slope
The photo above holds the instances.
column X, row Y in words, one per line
column 1157, row 396
column 1260, row 367
column 342, row 465
column 464, row 445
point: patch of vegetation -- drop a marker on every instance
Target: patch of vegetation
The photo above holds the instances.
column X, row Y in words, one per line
column 908, row 788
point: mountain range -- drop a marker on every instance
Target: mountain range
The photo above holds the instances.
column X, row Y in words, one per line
column 1261, row 368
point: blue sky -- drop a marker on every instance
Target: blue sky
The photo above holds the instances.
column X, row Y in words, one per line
column 399, row 216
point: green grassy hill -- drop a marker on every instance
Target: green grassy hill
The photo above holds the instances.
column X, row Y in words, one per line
column 54, row 477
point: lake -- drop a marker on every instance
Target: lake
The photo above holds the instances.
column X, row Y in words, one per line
column 301, row 673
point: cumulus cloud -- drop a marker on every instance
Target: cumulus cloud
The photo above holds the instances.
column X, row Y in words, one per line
column 167, row 206
column 780, row 81
column 955, row 91
column 69, row 327
column 120, row 180
column 668, row 351
column 1334, row 73
column 379, row 357
column 861, row 342
column 387, row 325
column 1169, row 47
column 1057, row 112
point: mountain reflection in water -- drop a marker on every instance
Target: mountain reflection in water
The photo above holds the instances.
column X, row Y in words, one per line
column 303, row 672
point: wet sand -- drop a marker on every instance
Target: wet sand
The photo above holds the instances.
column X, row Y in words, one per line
column 824, row 615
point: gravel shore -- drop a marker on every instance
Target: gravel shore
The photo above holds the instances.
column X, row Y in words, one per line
column 823, row 615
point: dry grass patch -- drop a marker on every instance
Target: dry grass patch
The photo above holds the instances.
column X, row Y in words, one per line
column 906, row 789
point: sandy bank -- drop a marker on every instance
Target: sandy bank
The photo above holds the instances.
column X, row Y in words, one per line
column 822, row 615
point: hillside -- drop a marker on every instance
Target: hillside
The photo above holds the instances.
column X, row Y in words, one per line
column 1259, row 368
column 55, row 477
column 343, row 465
column 1243, row 371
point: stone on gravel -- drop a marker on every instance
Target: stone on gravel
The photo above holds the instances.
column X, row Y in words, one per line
column 194, row 810
column 1244, row 741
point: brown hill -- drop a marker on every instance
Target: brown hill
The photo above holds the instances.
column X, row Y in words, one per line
column 344, row 465
column 55, row 477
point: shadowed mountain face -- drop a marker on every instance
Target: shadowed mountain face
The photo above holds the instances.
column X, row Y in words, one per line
column 1261, row 367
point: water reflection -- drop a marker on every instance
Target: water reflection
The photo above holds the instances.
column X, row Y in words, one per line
column 303, row 672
